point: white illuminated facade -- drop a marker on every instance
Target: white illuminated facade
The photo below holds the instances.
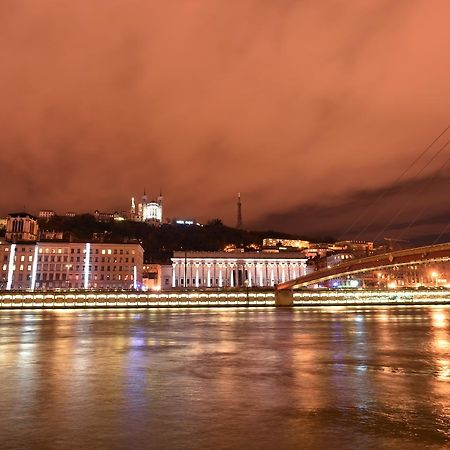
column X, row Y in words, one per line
column 152, row 211
column 230, row 270
column 60, row 265
column 147, row 211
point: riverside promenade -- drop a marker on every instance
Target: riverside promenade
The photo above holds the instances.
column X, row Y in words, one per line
column 231, row 298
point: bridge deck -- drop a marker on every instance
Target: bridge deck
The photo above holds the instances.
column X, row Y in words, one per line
column 418, row 255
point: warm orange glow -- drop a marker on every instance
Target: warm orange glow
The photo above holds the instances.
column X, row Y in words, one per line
column 267, row 97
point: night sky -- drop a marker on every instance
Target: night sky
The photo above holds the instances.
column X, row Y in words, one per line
column 311, row 109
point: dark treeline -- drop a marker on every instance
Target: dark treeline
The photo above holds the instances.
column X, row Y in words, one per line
column 159, row 242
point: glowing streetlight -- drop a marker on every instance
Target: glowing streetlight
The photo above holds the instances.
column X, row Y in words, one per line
column 246, row 283
column 434, row 275
column 68, row 267
column 392, row 285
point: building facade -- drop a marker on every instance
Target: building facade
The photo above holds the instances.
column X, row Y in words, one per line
column 46, row 214
column 108, row 216
column 21, row 227
column 70, row 265
column 327, row 262
column 151, row 277
column 355, row 246
column 230, row 270
column 147, row 211
column 294, row 243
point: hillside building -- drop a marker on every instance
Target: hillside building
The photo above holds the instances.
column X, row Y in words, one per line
column 21, row 227
column 147, row 211
column 46, row 214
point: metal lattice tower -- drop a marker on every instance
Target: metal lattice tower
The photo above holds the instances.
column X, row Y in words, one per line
column 239, row 212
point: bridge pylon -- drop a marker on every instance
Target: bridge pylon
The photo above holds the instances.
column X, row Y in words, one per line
column 284, row 297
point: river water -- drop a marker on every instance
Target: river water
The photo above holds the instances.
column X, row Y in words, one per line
column 260, row 378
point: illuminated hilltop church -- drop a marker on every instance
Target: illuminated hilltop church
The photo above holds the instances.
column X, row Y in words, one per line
column 147, row 211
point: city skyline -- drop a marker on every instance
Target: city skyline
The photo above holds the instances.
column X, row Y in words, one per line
column 360, row 217
column 224, row 224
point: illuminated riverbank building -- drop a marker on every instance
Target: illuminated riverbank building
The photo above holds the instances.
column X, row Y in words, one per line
column 234, row 269
column 29, row 264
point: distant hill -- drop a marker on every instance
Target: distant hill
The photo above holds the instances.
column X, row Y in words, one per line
column 160, row 242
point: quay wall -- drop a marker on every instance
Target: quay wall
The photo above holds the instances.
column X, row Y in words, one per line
column 196, row 298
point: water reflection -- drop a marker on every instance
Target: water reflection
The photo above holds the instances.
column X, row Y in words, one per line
column 254, row 379
column 440, row 319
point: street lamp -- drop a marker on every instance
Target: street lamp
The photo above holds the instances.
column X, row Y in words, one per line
column 435, row 276
column 185, row 269
column 184, row 286
column 68, row 267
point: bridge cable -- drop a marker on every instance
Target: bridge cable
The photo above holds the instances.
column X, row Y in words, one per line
column 416, row 175
column 417, row 217
column 384, row 193
column 438, row 238
column 406, row 204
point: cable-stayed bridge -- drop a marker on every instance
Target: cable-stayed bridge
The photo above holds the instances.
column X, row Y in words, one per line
column 417, row 255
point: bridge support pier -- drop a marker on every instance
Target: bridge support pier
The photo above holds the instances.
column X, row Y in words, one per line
column 284, row 297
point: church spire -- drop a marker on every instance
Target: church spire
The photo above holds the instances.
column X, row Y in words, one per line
column 160, row 197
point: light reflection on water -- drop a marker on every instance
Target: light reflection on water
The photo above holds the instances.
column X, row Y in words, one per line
column 240, row 378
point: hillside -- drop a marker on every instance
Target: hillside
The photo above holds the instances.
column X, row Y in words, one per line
column 159, row 242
